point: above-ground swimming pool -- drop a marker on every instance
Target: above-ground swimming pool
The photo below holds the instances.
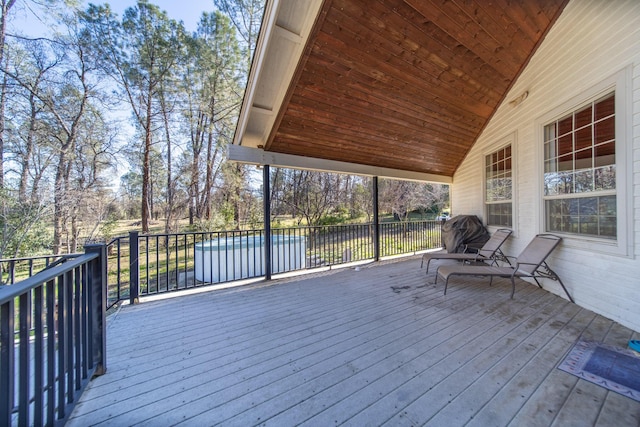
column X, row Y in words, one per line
column 241, row 257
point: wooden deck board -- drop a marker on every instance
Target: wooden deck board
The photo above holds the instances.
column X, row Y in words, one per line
column 369, row 347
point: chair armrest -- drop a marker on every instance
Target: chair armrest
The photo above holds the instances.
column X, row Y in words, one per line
column 518, row 264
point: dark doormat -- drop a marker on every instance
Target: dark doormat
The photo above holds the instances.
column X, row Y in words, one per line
column 616, row 369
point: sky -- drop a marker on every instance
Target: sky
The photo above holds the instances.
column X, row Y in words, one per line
column 187, row 11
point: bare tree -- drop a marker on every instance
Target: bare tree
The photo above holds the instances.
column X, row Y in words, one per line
column 211, row 83
column 139, row 54
column 5, row 7
column 400, row 198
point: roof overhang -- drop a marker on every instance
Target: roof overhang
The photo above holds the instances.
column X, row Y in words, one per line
column 400, row 87
column 285, row 30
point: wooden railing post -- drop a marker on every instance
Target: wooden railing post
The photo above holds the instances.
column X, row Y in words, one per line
column 97, row 271
column 134, row 268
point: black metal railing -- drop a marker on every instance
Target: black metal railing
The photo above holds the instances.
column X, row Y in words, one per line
column 168, row 262
column 118, row 251
column 53, row 338
column 16, row 269
column 397, row 238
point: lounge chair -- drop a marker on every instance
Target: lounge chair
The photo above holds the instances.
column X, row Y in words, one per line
column 489, row 252
column 530, row 263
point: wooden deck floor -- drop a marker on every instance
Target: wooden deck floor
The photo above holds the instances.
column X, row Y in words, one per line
column 348, row 349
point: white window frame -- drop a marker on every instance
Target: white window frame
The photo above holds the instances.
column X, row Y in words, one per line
column 620, row 83
column 498, row 145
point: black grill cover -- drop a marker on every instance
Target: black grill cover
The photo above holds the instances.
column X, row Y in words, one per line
column 464, row 231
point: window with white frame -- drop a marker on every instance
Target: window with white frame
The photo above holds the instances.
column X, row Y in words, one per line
column 498, row 188
column 580, row 194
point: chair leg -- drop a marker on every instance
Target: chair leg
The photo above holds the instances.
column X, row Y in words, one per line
column 446, row 283
column 565, row 289
column 513, row 286
column 539, row 285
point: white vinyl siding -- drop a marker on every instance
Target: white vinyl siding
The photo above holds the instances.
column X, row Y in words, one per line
column 591, row 51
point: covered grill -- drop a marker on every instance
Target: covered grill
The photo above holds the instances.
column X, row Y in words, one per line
column 464, row 232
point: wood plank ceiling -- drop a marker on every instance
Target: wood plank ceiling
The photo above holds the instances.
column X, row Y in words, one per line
column 407, row 84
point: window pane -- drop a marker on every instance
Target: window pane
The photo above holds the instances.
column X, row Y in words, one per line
column 565, row 163
column 499, row 214
column 550, row 132
column 605, row 107
column 595, row 216
column 608, row 227
column 583, row 138
column 605, row 154
column 607, row 205
column 565, row 182
column 588, row 206
column 550, row 149
column 583, row 117
column 605, row 178
column 550, row 166
column 556, row 215
column 589, row 225
column 607, row 212
column 508, row 185
column 583, row 159
column 605, row 130
column 498, row 187
column 583, row 181
column 565, row 145
column 565, row 125
column 550, row 184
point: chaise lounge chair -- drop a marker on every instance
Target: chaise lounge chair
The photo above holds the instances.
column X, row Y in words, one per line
column 530, row 263
column 489, row 252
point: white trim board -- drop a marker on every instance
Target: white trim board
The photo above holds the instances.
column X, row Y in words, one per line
column 256, row 156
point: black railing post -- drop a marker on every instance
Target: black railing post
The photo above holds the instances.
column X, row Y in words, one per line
column 7, row 361
column 266, row 199
column 98, row 306
column 376, row 221
column 134, row 268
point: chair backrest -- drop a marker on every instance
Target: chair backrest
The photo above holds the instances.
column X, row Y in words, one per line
column 536, row 252
column 489, row 249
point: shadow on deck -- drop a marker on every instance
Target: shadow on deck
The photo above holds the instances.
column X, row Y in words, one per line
column 381, row 345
